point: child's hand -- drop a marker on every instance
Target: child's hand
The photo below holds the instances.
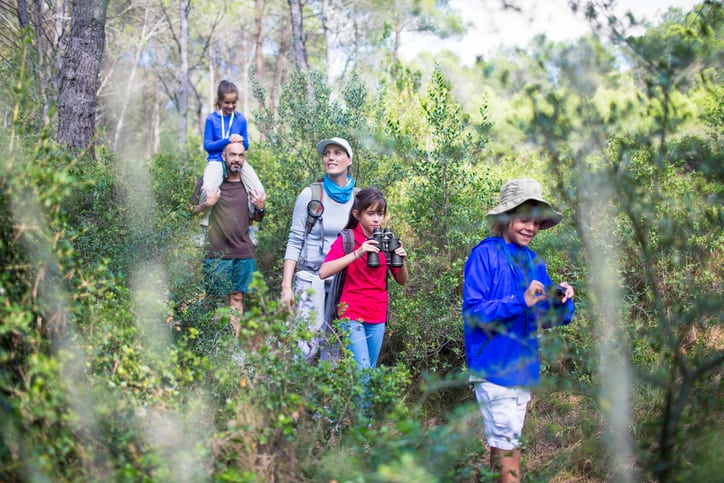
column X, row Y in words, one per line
column 367, row 246
column 401, row 250
column 534, row 293
column 569, row 292
column 212, row 197
column 236, row 138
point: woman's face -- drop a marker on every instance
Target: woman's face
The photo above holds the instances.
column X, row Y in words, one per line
column 370, row 218
column 521, row 230
column 228, row 104
column 336, row 160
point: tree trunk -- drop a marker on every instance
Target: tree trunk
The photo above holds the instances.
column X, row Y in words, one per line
column 258, row 39
column 300, row 51
column 145, row 35
column 49, row 20
column 23, row 14
column 211, row 101
column 279, row 66
column 396, row 44
column 183, row 90
column 327, row 40
column 156, row 119
column 79, row 74
column 247, row 59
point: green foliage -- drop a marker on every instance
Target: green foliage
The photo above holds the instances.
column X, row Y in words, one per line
column 287, row 159
column 403, row 450
column 76, row 370
column 673, row 237
column 270, row 403
column 114, row 365
column 713, row 114
column 445, row 197
column 665, row 220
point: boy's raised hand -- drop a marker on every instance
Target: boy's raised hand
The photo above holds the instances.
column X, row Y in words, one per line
column 568, row 292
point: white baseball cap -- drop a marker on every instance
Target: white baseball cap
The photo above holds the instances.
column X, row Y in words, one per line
column 339, row 141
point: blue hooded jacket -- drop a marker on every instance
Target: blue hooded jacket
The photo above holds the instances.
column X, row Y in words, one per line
column 501, row 332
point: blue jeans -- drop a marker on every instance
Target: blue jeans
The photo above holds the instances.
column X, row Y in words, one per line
column 365, row 342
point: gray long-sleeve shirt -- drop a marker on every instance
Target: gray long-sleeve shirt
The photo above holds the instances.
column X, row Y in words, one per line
column 333, row 221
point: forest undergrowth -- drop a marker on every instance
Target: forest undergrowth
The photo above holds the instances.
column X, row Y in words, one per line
column 114, row 365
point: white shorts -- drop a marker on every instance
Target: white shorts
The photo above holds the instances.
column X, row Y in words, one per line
column 503, row 410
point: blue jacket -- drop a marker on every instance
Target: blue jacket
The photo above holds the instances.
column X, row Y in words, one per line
column 501, row 332
column 214, row 141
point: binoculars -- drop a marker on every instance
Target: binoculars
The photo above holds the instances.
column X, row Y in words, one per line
column 387, row 243
column 556, row 292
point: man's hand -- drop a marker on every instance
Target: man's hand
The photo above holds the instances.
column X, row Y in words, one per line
column 257, row 199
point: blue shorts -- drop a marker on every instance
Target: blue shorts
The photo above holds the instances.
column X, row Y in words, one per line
column 223, row 276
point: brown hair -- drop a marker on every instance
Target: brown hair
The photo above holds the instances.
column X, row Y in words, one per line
column 225, row 88
column 499, row 223
column 365, row 198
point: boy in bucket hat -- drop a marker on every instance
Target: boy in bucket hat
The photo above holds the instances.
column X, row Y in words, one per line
column 507, row 297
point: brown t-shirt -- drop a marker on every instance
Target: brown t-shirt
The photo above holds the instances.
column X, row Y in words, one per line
column 228, row 232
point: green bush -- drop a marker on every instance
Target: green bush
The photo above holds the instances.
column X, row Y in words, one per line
column 114, row 365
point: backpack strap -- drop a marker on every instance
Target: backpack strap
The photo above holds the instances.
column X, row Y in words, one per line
column 317, row 194
column 347, row 240
column 335, row 291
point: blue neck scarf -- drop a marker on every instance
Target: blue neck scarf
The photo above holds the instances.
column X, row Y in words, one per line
column 337, row 193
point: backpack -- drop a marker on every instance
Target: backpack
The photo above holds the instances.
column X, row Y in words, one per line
column 317, row 195
column 335, row 290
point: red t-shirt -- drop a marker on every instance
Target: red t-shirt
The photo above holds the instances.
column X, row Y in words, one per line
column 365, row 289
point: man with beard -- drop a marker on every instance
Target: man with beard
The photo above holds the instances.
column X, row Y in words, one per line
column 229, row 254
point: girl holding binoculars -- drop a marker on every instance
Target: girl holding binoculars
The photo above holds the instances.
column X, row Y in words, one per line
column 364, row 299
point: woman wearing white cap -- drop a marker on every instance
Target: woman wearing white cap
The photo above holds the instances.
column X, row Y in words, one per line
column 507, row 297
column 307, row 245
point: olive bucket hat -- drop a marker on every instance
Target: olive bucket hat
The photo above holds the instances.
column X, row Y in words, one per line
column 516, row 192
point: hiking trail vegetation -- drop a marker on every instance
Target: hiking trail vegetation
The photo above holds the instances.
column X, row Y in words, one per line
column 115, row 366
